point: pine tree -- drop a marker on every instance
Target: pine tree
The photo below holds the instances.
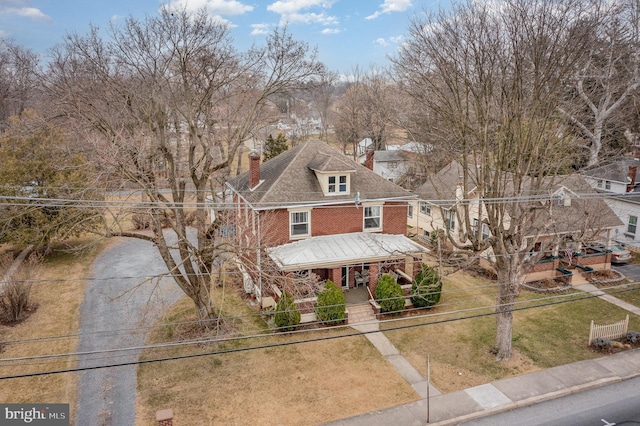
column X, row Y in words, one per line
column 273, row 147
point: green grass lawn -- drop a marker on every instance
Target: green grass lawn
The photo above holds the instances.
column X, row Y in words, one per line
column 459, row 350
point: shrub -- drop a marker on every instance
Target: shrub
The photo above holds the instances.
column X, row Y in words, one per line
column 331, row 306
column 389, row 294
column 141, row 221
column 426, row 288
column 602, row 344
column 287, row 314
column 14, row 301
column 632, row 337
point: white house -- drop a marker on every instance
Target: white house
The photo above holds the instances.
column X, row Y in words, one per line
column 620, row 181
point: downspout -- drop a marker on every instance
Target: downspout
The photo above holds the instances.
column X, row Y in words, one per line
column 259, row 258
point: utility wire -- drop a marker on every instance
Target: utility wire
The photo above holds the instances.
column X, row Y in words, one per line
column 281, row 344
column 515, row 309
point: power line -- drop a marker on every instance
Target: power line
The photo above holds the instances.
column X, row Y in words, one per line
column 568, row 297
column 281, row 344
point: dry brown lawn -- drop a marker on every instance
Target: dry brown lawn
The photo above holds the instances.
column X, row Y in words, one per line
column 459, row 351
column 301, row 384
column 58, row 293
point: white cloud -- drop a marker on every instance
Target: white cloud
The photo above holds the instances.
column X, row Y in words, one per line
column 390, row 6
column 381, row 41
column 391, row 40
column 216, row 8
column 26, row 12
column 260, row 29
column 296, row 12
column 331, row 31
column 309, row 18
column 285, row 7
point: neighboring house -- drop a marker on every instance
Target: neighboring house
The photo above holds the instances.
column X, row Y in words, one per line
column 312, row 212
column 562, row 211
column 391, row 165
column 396, row 162
column 620, row 181
column 361, row 149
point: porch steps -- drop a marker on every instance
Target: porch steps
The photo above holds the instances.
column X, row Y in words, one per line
column 361, row 312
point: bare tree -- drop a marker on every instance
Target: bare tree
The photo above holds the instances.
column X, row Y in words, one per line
column 170, row 96
column 18, row 82
column 608, row 77
column 324, row 94
column 490, row 76
column 366, row 110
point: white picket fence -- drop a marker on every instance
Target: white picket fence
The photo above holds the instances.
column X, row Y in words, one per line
column 608, row 331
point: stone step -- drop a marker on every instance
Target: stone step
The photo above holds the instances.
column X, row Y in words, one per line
column 361, row 313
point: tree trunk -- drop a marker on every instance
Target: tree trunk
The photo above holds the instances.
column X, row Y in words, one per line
column 508, row 290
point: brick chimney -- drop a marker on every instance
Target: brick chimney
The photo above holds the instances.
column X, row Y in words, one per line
column 254, row 169
column 632, row 178
column 164, row 417
column 368, row 162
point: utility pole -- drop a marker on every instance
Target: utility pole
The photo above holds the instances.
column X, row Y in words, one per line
column 428, row 385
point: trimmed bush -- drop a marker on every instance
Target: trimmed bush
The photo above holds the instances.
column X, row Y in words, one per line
column 632, row 337
column 331, row 307
column 389, row 294
column 426, row 288
column 602, row 344
column 287, row 315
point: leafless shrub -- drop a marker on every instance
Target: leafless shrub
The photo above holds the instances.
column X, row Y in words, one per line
column 15, row 302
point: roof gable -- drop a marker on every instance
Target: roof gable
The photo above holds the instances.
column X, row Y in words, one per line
column 290, row 178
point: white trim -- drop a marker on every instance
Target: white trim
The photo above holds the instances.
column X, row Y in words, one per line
column 299, row 236
column 365, row 206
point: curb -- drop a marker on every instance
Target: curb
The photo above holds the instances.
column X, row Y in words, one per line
column 531, row 401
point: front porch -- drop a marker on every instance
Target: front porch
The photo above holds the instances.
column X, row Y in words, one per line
column 351, row 261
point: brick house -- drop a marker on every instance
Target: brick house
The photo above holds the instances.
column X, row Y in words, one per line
column 314, row 212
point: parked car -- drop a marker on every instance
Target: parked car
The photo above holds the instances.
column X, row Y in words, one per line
column 619, row 254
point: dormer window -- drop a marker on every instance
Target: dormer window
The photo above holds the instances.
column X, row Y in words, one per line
column 337, row 184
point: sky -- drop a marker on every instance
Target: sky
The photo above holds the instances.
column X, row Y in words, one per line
column 347, row 33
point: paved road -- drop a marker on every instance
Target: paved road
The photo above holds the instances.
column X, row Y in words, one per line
column 615, row 404
column 106, row 396
column 629, row 270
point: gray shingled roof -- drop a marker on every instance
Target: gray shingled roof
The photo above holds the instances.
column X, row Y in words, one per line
column 615, row 172
column 289, row 179
column 442, row 186
column 393, row 155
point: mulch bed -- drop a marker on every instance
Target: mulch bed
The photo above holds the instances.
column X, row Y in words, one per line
column 547, row 286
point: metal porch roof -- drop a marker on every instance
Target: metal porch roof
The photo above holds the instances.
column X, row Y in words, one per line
column 330, row 251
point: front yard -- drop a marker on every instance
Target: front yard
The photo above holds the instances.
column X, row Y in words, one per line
column 51, row 329
column 311, row 383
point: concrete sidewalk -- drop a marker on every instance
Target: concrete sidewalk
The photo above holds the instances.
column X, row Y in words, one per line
column 502, row 395
column 498, row 396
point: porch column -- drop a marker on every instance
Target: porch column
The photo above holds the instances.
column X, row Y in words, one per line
column 408, row 265
column 335, row 275
column 374, row 271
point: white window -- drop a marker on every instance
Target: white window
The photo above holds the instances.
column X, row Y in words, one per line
column 425, row 209
column 485, row 231
column 337, row 184
column 607, row 184
column 372, row 218
column 410, row 211
column 450, row 219
column 299, row 223
column 599, row 183
column 633, row 225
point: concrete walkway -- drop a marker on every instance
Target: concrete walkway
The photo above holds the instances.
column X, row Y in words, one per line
column 502, row 395
column 592, row 289
column 392, row 354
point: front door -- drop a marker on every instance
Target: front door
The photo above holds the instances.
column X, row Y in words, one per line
column 345, row 277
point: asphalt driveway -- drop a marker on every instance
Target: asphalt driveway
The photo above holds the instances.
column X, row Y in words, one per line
column 114, row 310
